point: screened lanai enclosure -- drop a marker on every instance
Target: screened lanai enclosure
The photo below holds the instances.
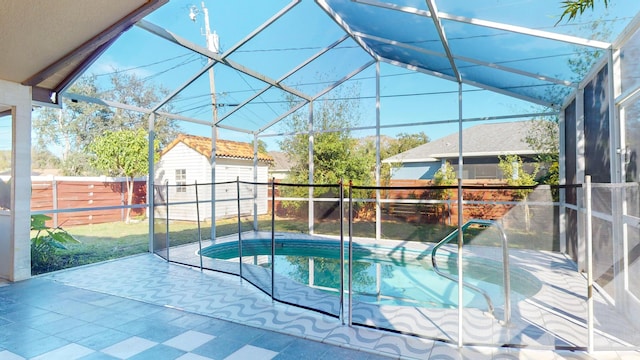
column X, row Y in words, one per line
column 475, row 256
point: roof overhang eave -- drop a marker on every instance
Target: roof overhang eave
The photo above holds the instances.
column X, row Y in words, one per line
column 485, row 153
column 410, row 161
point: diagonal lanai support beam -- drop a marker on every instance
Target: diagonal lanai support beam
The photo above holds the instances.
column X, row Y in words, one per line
column 333, row 15
column 470, row 60
column 443, row 39
column 285, row 76
column 227, row 53
column 492, row 24
column 118, row 105
column 472, row 83
column 319, row 94
column 167, row 35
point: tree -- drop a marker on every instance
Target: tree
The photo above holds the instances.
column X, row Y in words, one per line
column 5, row 160
column 513, row 171
column 573, row 8
column 72, row 127
column 543, row 137
column 130, row 89
column 123, row 153
column 400, row 144
column 77, row 124
column 336, row 154
column 262, row 146
column 44, row 159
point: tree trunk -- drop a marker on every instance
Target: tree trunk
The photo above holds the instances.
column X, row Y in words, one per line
column 130, row 183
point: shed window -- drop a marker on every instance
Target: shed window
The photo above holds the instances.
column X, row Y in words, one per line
column 181, row 180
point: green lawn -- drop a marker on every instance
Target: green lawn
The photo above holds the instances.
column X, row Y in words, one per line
column 102, row 242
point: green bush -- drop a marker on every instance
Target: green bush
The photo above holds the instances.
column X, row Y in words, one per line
column 46, row 244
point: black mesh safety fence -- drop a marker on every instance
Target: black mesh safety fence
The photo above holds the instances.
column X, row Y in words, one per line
column 391, row 257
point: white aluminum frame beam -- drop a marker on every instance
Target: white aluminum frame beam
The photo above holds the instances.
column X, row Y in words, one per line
column 527, row 31
column 175, row 92
column 426, row 123
column 167, row 35
column 443, row 39
column 319, row 94
column 284, row 77
column 260, row 28
column 492, row 24
column 346, row 27
column 470, row 60
column 472, row 83
column 239, row 44
column 118, row 105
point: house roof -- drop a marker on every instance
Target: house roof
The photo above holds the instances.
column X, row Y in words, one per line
column 224, row 148
column 281, row 161
column 481, row 140
column 48, row 44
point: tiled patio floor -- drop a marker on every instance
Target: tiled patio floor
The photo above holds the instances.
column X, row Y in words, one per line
column 142, row 307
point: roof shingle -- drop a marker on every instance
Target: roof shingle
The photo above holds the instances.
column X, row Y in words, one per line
column 224, row 148
column 481, row 140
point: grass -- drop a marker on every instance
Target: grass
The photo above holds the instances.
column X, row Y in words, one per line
column 101, row 242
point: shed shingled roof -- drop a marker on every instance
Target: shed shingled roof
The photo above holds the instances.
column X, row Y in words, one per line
column 224, row 148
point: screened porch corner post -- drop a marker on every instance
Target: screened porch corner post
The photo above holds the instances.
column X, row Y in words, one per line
column 239, row 227
column 311, row 168
column 214, row 142
column 460, row 221
column 151, row 183
column 618, row 154
column 378, row 159
column 589, row 262
column 580, row 139
column 198, row 223
column 255, row 182
column 341, row 193
column 166, row 202
column 273, row 238
column 562, row 191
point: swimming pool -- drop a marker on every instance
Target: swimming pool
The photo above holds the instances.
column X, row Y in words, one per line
column 381, row 275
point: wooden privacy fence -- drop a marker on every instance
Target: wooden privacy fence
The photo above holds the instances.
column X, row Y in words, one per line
column 68, row 193
column 402, row 202
column 58, row 193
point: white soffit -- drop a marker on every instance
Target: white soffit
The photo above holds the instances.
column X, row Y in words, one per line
column 46, row 44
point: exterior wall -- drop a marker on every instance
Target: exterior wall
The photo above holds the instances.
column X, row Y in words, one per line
column 279, row 175
column 198, row 169
column 182, row 157
column 416, row 171
column 474, row 168
column 228, row 170
column 15, row 249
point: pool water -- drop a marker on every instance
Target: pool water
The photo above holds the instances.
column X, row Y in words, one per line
column 392, row 276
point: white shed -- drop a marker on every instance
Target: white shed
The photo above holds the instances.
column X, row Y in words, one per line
column 186, row 160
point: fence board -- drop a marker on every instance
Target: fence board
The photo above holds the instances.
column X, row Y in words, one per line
column 52, row 194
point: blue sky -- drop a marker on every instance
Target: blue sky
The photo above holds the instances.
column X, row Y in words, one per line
column 5, row 133
column 289, row 42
